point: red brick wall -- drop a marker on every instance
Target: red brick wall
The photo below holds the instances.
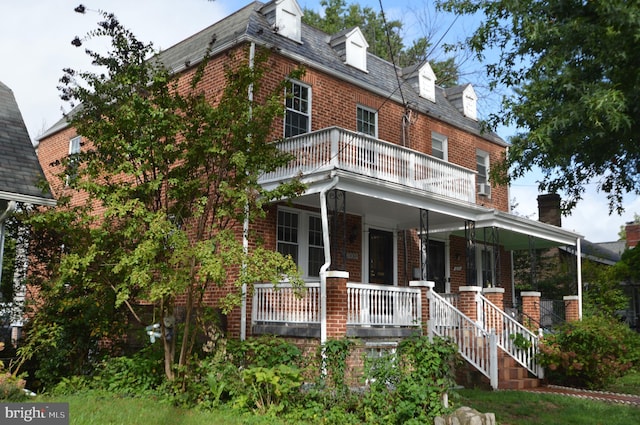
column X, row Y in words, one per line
column 334, row 103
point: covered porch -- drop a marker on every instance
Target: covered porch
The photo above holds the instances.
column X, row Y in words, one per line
column 384, row 216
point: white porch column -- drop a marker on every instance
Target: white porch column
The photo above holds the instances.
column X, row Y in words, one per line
column 579, row 269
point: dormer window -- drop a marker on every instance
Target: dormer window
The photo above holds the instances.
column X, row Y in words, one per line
column 427, row 83
column 285, row 17
column 469, row 103
column 464, row 99
column 352, row 46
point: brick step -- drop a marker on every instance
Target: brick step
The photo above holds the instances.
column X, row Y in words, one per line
column 519, row 384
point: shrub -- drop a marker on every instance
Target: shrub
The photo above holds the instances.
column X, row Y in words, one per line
column 408, row 386
column 11, row 387
column 590, row 353
column 137, row 374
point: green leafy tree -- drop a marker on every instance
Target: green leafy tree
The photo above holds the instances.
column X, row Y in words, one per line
column 170, row 174
column 571, row 73
column 384, row 36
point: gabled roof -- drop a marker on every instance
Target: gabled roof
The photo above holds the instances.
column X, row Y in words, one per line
column 314, row 51
column 21, row 176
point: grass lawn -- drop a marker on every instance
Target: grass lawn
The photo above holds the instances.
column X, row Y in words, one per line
column 521, row 408
column 510, row 407
column 92, row 409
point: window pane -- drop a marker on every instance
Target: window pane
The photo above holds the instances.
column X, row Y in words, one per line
column 316, row 251
column 439, row 145
column 366, row 121
column 297, row 115
column 287, row 243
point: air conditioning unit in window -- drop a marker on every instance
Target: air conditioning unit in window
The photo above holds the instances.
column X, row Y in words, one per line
column 484, row 189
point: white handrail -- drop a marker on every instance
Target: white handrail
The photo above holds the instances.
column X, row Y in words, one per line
column 476, row 345
column 513, row 338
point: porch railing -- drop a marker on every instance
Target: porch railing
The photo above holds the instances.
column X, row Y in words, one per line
column 477, row 345
column 337, row 148
column 512, row 337
column 285, row 304
column 379, row 305
column 367, row 305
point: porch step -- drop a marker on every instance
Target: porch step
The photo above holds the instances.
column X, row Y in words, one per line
column 512, row 376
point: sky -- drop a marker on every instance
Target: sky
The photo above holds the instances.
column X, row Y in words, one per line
column 35, row 45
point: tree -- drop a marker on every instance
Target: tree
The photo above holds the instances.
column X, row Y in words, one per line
column 571, row 70
column 170, row 175
column 384, row 37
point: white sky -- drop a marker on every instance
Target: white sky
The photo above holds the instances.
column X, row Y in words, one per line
column 35, row 45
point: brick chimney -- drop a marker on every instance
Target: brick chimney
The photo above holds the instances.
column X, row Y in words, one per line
column 549, row 209
column 632, row 230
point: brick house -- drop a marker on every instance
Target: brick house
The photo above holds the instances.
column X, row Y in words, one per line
column 399, row 223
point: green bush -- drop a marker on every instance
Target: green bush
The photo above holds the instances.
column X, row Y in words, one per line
column 407, row 387
column 11, row 387
column 590, row 353
column 137, row 374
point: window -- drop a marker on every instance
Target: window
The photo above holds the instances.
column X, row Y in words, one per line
column 439, row 146
column 299, row 234
column 486, row 271
column 367, row 121
column 298, row 103
column 74, row 149
column 482, row 179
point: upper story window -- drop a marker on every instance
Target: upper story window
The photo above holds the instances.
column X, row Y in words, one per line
column 482, row 178
column 299, row 234
column 367, row 121
column 439, row 146
column 298, row 114
column 75, row 145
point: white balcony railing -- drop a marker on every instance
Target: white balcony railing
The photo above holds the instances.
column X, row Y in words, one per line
column 367, row 305
column 336, row 148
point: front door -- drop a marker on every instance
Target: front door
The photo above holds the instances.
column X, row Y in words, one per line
column 380, row 257
column 437, row 266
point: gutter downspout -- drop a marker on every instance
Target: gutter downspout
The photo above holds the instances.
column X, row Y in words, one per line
column 579, row 270
column 245, row 224
column 327, row 258
column 11, row 207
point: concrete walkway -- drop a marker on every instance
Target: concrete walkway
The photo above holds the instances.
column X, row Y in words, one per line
column 629, row 399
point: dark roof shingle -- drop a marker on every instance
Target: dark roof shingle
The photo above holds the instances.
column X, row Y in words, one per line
column 20, row 173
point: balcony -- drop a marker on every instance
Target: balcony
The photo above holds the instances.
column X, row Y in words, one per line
column 338, row 149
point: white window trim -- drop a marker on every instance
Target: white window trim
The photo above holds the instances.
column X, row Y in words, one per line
column 445, row 144
column 72, row 144
column 303, row 238
column 486, row 189
column 375, row 117
column 309, row 109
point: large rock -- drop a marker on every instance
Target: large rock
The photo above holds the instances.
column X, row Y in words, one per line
column 466, row 416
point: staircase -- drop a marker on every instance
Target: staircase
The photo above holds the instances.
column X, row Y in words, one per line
column 512, row 376
column 495, row 344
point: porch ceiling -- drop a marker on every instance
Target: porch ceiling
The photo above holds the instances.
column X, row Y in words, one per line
column 396, row 206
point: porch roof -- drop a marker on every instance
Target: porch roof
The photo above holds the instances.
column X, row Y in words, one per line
column 392, row 205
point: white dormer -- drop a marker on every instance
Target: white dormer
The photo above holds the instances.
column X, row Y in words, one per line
column 422, row 79
column 427, row 82
column 352, row 47
column 464, row 98
column 285, row 16
column 469, row 102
